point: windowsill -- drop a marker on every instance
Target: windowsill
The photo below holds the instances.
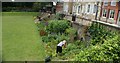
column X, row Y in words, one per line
column 78, row 14
column 118, row 23
column 112, row 5
column 111, row 18
column 103, row 17
column 87, row 13
column 93, row 13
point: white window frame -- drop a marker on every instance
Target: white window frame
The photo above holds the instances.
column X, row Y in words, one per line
column 118, row 21
column 110, row 14
column 103, row 13
column 105, row 3
column 83, row 9
column 95, row 9
column 79, row 9
column 113, row 3
column 88, row 8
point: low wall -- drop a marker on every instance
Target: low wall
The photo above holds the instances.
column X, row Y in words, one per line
column 80, row 23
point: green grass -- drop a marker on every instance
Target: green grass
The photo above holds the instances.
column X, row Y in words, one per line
column 20, row 37
column 0, row 36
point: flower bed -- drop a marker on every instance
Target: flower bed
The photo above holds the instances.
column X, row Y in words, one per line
column 101, row 44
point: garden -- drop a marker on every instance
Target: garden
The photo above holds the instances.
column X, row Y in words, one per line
column 104, row 44
column 25, row 41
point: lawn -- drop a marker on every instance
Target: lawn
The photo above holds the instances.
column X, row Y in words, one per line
column 0, row 36
column 20, row 38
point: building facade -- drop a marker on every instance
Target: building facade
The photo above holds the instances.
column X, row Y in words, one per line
column 59, row 7
column 86, row 10
column 110, row 12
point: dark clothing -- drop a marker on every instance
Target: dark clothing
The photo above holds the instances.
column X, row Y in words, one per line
column 40, row 19
column 73, row 17
column 48, row 59
column 59, row 49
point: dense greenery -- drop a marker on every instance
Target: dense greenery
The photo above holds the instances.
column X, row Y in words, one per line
column 57, row 26
column 105, row 46
column 99, row 33
column 24, row 6
column 55, row 30
column 104, row 43
column 109, row 51
column 100, row 51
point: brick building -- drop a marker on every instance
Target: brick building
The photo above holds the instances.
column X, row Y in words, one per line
column 110, row 12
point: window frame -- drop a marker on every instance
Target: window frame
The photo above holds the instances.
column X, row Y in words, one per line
column 95, row 9
column 88, row 8
column 105, row 3
column 111, row 3
column 103, row 13
column 79, row 9
column 112, row 15
column 118, row 20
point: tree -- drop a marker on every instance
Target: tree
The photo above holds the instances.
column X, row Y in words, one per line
column 37, row 6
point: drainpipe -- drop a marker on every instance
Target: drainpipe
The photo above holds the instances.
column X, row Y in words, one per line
column 97, row 11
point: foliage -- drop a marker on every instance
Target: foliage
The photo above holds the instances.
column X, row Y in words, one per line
column 51, row 37
column 99, row 33
column 36, row 6
column 71, row 30
column 41, row 26
column 57, row 26
column 24, row 6
column 104, row 47
column 104, row 52
column 71, row 50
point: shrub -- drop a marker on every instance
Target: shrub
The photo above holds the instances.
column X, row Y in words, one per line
column 61, row 37
column 103, row 52
column 71, row 32
column 49, row 38
column 99, row 34
column 57, row 26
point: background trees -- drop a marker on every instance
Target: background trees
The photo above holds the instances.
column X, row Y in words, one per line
column 23, row 6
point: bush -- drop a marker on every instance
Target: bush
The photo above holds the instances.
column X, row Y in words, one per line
column 61, row 37
column 103, row 52
column 49, row 38
column 99, row 34
column 71, row 32
column 57, row 26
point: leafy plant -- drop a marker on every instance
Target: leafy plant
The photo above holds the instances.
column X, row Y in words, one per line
column 99, row 34
column 108, row 51
column 71, row 32
column 57, row 26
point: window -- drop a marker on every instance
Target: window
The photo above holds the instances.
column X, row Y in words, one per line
column 104, row 13
column 105, row 3
column 88, row 10
column 112, row 12
column 95, row 9
column 119, row 17
column 113, row 3
column 79, row 9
